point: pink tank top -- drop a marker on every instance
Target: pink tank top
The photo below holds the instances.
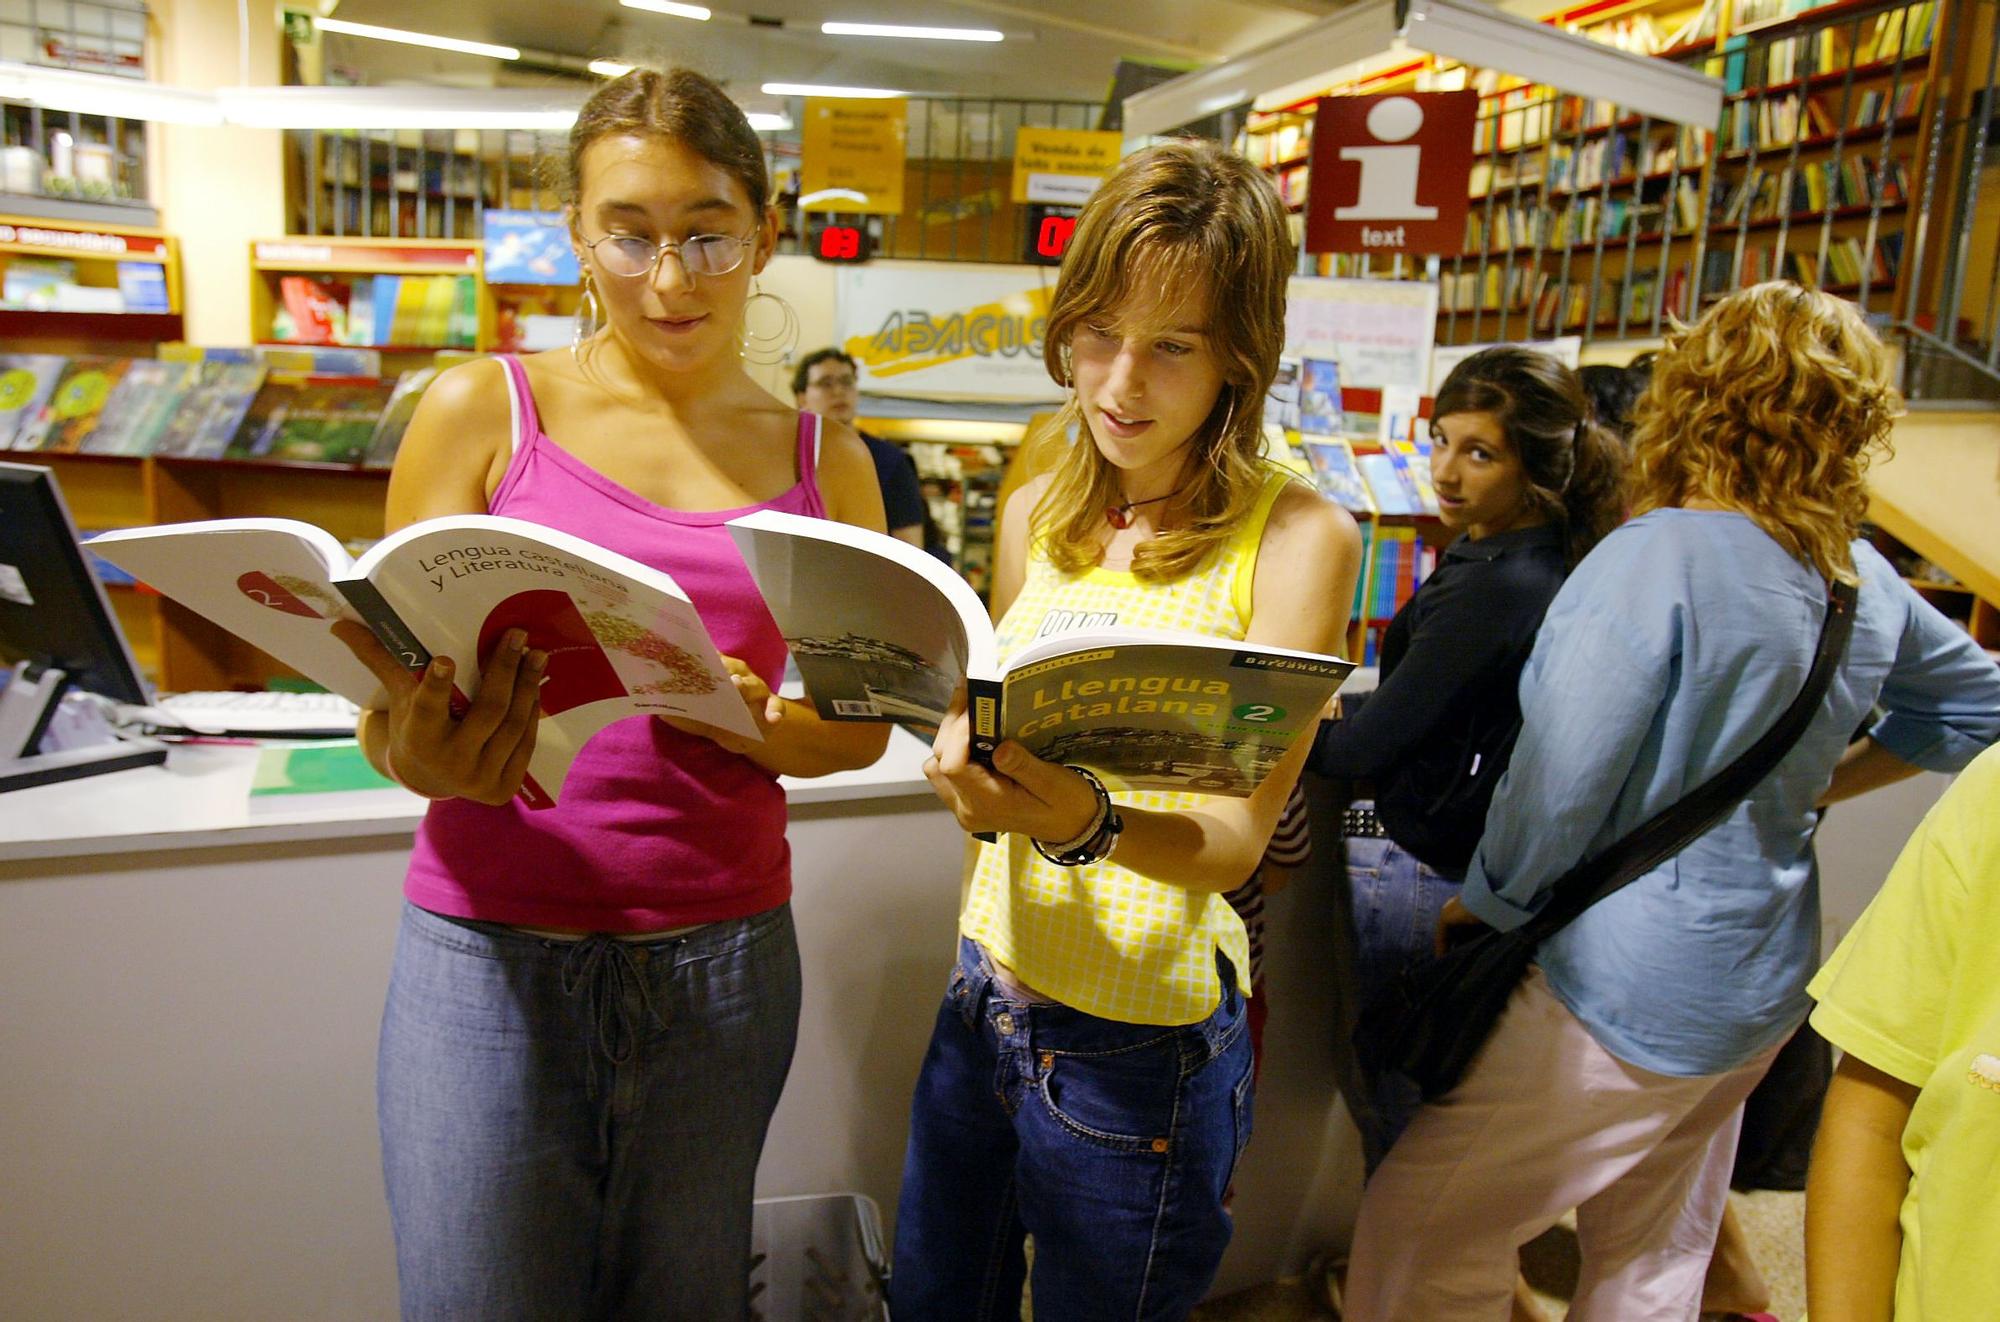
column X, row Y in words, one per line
column 656, row 829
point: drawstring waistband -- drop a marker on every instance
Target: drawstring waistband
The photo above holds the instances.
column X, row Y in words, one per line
column 601, row 967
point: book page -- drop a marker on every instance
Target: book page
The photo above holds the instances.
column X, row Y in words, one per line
column 623, row 639
column 881, row 630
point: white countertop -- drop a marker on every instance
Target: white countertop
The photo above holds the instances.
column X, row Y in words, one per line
column 201, row 798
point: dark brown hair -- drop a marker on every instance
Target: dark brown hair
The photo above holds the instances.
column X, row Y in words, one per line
column 678, row 104
column 1575, row 469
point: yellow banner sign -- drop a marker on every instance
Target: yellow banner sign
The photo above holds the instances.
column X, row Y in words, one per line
column 851, row 155
column 1062, row 165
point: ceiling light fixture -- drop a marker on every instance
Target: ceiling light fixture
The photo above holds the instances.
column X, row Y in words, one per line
column 103, row 94
column 398, row 108
column 765, row 122
column 374, row 33
column 695, row 12
column 907, row 31
column 818, row 89
column 610, row 68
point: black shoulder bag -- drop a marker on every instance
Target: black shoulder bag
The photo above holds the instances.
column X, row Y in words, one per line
column 1431, row 1022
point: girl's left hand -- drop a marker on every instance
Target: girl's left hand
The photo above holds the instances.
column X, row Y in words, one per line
column 1019, row 793
column 1456, row 923
column 766, row 710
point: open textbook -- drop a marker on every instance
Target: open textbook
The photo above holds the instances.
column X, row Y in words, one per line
column 883, row 631
column 623, row 639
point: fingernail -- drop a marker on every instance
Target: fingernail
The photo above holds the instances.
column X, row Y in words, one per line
column 1007, row 757
column 517, row 638
column 537, row 659
column 441, row 667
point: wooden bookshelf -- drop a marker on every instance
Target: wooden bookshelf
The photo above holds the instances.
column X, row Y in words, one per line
column 96, row 252
column 313, row 256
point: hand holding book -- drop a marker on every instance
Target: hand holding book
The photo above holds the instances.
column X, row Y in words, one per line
column 1018, row 792
column 480, row 753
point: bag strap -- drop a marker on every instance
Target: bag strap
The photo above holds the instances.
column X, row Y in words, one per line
column 1675, row 828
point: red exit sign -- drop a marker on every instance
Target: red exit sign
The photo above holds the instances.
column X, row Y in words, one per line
column 1049, row 232
column 841, row 243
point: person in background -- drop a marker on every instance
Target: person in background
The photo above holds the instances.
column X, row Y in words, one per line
column 1900, row 1201
column 1089, row 1080
column 1613, row 1083
column 592, row 1007
column 824, row 382
column 1614, row 390
column 1530, row 486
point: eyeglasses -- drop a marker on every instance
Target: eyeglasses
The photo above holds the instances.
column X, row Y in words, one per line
column 700, row 254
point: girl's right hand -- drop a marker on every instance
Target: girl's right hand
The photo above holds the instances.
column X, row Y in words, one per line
column 481, row 755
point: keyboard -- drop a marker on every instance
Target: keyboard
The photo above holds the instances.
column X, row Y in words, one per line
column 325, row 715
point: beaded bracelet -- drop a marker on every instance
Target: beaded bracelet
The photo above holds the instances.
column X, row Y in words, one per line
column 1096, row 843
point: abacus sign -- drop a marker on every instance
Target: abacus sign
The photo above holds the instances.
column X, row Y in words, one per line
column 841, row 243
column 1049, row 232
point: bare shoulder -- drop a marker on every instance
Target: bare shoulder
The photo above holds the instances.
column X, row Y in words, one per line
column 458, row 435
column 847, row 478
column 1307, row 527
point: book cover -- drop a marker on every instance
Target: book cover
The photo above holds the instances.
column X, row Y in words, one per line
column 1319, row 397
column 26, row 382
column 143, row 286
column 74, row 406
column 396, row 415
column 138, row 408
column 623, row 639
column 1337, row 474
column 882, row 631
column 316, row 309
column 210, row 410
column 311, row 419
column 295, row 778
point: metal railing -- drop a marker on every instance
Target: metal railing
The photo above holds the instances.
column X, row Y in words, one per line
column 68, row 156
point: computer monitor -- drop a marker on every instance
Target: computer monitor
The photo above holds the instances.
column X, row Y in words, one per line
column 57, row 632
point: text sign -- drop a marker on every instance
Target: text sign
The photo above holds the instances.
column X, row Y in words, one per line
column 1062, row 165
column 851, row 155
column 1049, row 233
column 841, row 243
column 1389, row 173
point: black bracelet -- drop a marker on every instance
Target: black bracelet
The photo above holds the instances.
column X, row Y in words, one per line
column 1097, row 842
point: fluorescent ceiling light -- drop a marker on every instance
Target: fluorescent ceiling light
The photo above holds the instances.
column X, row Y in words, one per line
column 374, row 33
column 765, row 122
column 695, row 12
column 398, row 108
column 103, row 94
column 1355, row 33
column 816, row 89
column 913, row 33
column 610, row 68
column 1481, row 35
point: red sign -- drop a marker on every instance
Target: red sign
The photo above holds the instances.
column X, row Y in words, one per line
column 87, row 242
column 1050, row 229
column 1389, row 173
column 842, row 243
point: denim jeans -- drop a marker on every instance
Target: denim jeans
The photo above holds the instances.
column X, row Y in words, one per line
column 1111, row 1143
column 570, row 1129
column 1396, row 905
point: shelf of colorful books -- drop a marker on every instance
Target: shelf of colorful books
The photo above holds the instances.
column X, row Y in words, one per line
column 1861, row 137
column 70, row 284
column 1832, row 77
column 398, row 296
column 1793, row 18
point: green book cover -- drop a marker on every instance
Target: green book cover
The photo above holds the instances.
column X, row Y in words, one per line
column 328, row 767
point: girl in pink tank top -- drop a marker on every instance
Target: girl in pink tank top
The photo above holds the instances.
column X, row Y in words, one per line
column 593, row 1006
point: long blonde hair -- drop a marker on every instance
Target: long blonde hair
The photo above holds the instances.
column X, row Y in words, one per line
column 1183, row 215
column 1773, row 404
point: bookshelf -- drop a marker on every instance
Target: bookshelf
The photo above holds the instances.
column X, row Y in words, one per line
column 407, row 298
column 72, row 287
column 1589, row 220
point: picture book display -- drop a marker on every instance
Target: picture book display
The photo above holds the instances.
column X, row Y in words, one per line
column 26, row 382
column 623, row 639
column 882, row 631
column 213, row 401
column 138, row 408
column 73, row 408
column 312, row 419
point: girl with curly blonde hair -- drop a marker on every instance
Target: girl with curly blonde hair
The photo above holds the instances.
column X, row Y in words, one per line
column 1613, row 1083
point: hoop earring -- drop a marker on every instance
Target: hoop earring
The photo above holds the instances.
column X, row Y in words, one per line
column 589, row 319
column 767, row 350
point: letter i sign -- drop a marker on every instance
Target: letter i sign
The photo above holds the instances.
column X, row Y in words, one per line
column 1389, row 173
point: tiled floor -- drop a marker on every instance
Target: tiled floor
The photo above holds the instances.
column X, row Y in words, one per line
column 1774, row 1223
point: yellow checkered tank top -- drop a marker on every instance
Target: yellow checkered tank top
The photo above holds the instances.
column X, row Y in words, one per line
column 1101, row 938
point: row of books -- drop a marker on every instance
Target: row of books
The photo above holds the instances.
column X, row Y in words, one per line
column 1904, row 32
column 50, row 284
column 204, row 404
column 1766, row 194
column 421, row 311
column 1398, row 563
column 1846, row 261
column 1286, row 138
column 1787, row 118
column 1582, row 221
column 1394, row 479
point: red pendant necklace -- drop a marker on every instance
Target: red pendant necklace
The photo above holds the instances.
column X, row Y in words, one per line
column 1120, row 516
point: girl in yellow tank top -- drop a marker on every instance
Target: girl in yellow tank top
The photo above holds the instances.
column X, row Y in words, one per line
column 1088, row 1080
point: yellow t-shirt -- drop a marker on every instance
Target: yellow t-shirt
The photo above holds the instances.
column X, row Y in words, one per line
column 1914, row 990
column 1101, row 938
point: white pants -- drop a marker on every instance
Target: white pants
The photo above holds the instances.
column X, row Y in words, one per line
column 1544, row 1121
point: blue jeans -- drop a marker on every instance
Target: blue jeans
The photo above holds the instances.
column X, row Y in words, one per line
column 1111, row 1143
column 1396, row 905
column 570, row 1129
